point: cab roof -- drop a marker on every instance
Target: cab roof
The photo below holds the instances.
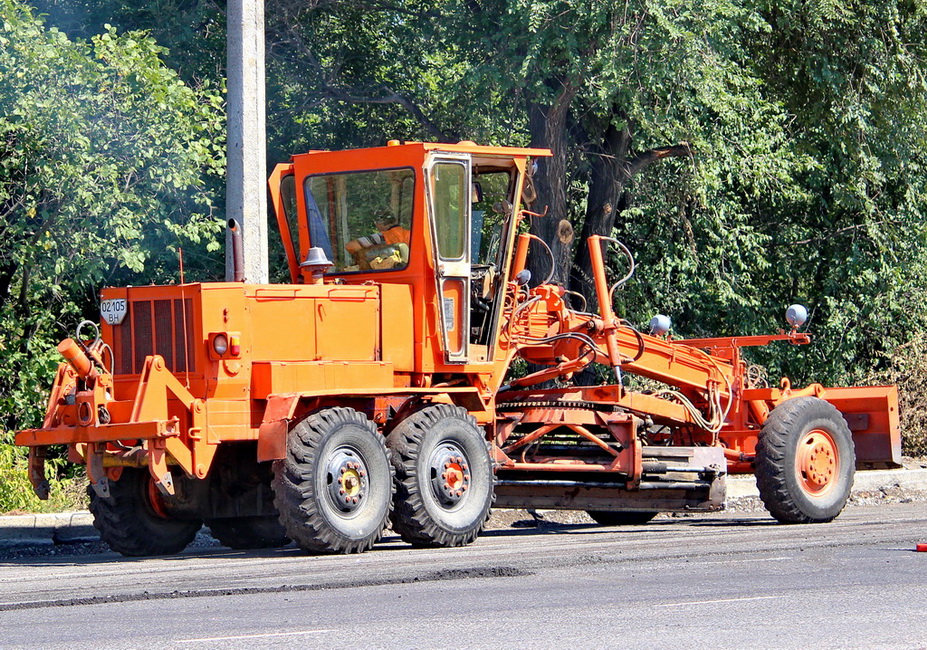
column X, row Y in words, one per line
column 464, row 146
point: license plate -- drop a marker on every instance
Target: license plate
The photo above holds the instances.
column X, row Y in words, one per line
column 113, row 311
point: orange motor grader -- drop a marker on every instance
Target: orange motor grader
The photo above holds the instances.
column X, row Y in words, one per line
column 377, row 387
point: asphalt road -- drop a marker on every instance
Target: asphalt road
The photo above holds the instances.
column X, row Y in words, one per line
column 727, row 580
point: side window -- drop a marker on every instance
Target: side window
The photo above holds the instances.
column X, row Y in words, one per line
column 288, row 194
column 278, row 257
column 491, row 200
column 362, row 220
column 449, row 206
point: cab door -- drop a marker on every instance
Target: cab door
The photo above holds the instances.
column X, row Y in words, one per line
column 448, row 192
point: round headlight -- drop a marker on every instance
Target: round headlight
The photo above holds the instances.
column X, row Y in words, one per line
column 660, row 325
column 796, row 315
column 220, row 344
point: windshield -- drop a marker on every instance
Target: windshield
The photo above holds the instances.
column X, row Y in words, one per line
column 362, row 220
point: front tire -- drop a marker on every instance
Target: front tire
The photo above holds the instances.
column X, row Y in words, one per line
column 334, row 489
column 805, row 461
column 133, row 520
column 444, row 477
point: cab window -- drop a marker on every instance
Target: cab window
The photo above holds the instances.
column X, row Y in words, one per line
column 491, row 202
column 288, row 194
column 450, row 210
column 362, row 220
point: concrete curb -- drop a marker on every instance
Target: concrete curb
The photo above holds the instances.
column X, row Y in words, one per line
column 74, row 527
column 58, row 528
column 739, row 487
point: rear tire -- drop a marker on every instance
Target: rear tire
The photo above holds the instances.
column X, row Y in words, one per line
column 249, row 532
column 133, row 521
column 334, row 489
column 444, row 477
column 620, row 517
column 805, row 461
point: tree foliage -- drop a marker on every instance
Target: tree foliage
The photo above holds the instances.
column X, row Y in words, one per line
column 106, row 163
column 852, row 76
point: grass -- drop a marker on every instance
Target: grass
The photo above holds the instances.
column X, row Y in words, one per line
column 16, row 495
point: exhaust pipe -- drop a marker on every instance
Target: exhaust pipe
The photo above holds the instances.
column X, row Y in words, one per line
column 238, row 254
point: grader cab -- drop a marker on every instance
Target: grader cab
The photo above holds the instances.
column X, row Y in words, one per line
column 377, row 386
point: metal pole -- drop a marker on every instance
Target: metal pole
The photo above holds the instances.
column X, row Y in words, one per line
column 246, row 198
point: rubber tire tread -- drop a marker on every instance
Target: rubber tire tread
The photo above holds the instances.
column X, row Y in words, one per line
column 621, row 517
column 411, row 519
column 242, row 533
column 129, row 525
column 295, row 477
column 776, row 452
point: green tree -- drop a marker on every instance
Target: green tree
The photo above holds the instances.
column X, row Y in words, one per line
column 105, row 166
column 852, row 76
column 611, row 89
column 193, row 30
column 792, row 149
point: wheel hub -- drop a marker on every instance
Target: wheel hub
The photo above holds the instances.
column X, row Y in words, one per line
column 348, row 483
column 156, row 499
column 450, row 474
column 817, row 461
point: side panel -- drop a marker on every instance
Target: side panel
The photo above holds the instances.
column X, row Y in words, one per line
column 277, row 378
column 347, row 324
column 225, row 309
column 283, row 326
column 872, row 415
column 397, row 326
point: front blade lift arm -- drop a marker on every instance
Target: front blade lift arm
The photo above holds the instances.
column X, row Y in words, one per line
column 539, row 332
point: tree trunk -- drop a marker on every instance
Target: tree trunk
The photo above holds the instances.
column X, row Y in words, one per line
column 607, row 180
column 548, row 130
column 612, row 167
